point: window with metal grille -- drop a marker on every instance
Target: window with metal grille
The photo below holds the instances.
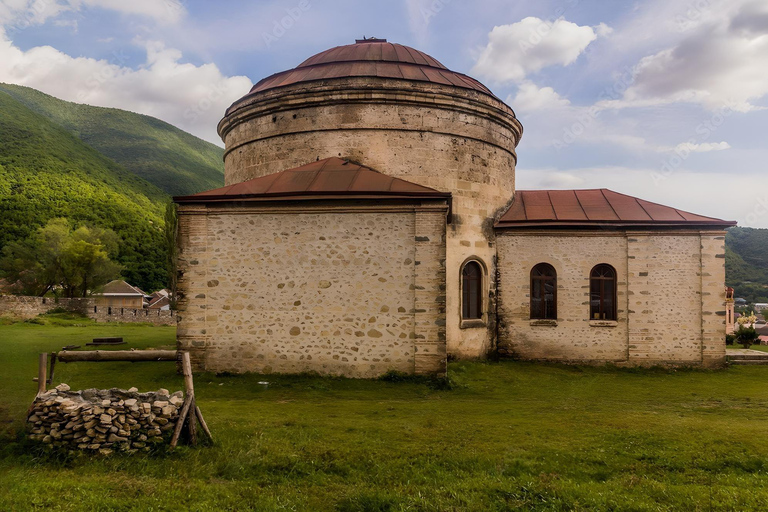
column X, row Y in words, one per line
column 472, row 291
column 543, row 292
column 602, row 293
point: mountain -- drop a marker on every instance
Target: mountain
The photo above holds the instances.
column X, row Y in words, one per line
column 46, row 172
column 173, row 160
column 746, row 263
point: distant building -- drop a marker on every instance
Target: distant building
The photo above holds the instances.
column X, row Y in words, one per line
column 730, row 311
column 119, row 294
column 760, row 307
column 162, row 302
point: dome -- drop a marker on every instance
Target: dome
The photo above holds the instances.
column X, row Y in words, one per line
column 371, row 58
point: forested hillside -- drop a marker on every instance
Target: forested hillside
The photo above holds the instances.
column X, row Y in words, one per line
column 171, row 159
column 746, row 263
column 45, row 173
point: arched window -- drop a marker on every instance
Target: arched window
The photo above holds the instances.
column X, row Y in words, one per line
column 602, row 293
column 472, row 291
column 544, row 292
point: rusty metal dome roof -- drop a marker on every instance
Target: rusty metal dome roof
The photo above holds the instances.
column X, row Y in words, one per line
column 371, row 58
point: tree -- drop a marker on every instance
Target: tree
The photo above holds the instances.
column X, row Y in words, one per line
column 171, row 234
column 56, row 257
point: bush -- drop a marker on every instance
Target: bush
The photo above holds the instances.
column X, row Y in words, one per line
column 729, row 339
column 746, row 336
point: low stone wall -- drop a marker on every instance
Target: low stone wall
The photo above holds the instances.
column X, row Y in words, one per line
column 30, row 307
column 104, row 420
column 130, row 315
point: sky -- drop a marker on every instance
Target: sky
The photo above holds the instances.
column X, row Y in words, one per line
column 662, row 99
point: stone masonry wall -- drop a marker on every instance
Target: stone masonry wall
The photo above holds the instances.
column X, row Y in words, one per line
column 671, row 298
column 103, row 420
column 354, row 291
column 447, row 138
column 29, row 307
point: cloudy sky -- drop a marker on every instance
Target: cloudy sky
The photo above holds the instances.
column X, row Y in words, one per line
column 663, row 99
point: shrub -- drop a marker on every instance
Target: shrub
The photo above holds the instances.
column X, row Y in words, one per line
column 746, row 336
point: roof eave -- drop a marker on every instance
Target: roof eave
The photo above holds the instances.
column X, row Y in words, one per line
column 715, row 224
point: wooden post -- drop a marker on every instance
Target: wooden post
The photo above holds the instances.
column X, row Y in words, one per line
column 66, row 356
column 189, row 391
column 41, row 374
column 180, row 422
column 53, row 366
column 192, row 423
column 203, row 424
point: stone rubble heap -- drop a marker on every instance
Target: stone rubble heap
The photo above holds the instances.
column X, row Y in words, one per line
column 104, row 420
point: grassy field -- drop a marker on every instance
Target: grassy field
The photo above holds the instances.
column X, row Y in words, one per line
column 507, row 436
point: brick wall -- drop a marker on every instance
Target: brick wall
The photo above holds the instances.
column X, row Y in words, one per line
column 354, row 291
column 671, row 299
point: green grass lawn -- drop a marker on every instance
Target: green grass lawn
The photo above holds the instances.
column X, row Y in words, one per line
column 508, row 436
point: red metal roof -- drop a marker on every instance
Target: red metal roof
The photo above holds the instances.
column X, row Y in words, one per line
column 332, row 178
column 597, row 207
column 372, row 58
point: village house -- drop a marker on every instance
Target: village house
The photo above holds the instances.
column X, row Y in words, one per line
column 119, row 294
column 370, row 222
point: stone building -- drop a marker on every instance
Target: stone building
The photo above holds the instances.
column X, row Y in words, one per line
column 119, row 294
column 370, row 222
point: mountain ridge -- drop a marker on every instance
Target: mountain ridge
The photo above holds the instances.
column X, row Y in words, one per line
column 171, row 159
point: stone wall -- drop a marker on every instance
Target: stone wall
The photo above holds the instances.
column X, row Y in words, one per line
column 30, row 307
column 332, row 288
column 447, row 138
column 104, row 420
column 670, row 287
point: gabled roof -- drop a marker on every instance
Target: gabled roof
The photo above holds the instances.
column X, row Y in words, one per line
column 159, row 302
column 332, row 178
column 119, row 287
column 596, row 208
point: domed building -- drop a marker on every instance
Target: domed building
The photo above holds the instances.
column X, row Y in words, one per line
column 370, row 223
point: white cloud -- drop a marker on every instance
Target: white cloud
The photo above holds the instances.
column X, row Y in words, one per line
column 704, row 147
column 19, row 14
column 191, row 97
column 716, row 64
column 603, row 30
column 161, row 11
column 514, row 51
column 530, row 98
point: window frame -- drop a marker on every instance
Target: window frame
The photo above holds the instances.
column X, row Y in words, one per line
column 614, row 313
column 547, row 267
column 482, row 295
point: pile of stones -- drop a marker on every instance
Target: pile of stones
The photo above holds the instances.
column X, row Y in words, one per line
column 104, row 420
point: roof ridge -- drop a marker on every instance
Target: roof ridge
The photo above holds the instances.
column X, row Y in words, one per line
column 602, row 193
column 552, row 204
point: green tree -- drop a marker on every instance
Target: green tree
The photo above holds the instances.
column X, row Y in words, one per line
column 56, row 257
column 171, row 234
